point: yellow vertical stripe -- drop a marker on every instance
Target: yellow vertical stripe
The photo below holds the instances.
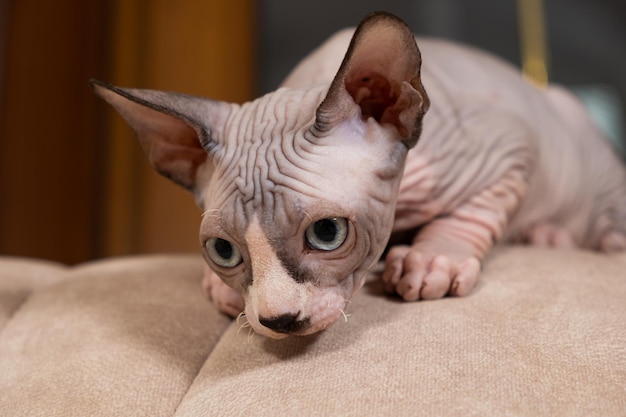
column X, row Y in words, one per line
column 533, row 40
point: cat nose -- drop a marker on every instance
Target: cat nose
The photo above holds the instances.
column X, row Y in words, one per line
column 286, row 323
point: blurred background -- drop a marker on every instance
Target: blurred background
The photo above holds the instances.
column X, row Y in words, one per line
column 74, row 184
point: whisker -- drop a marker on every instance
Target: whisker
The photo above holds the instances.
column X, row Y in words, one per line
column 251, row 333
column 241, row 315
column 345, row 316
column 242, row 324
column 211, row 212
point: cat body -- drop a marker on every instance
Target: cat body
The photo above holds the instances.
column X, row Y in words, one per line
column 446, row 152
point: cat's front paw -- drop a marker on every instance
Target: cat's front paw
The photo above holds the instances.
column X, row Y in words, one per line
column 415, row 275
column 549, row 235
column 226, row 299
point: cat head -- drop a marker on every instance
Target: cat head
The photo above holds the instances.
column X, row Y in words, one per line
column 298, row 187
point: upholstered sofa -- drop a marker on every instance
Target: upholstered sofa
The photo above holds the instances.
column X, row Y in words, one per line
column 543, row 334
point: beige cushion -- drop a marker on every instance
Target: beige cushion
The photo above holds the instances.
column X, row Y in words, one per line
column 543, row 334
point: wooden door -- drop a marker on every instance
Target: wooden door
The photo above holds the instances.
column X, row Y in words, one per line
column 197, row 47
column 73, row 182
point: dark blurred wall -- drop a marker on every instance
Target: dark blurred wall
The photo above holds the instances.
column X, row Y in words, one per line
column 49, row 138
column 74, row 184
column 586, row 38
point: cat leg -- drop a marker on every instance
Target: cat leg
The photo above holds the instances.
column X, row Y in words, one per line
column 225, row 299
column 445, row 256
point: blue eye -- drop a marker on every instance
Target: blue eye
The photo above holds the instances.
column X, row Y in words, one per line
column 223, row 253
column 327, row 234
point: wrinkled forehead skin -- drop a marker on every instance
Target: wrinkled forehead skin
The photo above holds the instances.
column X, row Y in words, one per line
column 273, row 168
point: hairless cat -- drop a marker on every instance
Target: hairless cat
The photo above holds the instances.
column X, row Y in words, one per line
column 446, row 151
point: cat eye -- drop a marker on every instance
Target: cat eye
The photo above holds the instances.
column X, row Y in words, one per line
column 223, row 253
column 327, row 234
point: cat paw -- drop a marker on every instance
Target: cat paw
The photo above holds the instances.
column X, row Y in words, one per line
column 548, row 235
column 415, row 275
column 226, row 299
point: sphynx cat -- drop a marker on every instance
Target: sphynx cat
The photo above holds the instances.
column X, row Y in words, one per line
column 302, row 188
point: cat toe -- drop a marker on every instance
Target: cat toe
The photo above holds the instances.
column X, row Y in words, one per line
column 466, row 278
column 613, row 242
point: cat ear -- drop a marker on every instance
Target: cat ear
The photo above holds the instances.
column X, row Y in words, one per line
column 177, row 132
column 380, row 74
